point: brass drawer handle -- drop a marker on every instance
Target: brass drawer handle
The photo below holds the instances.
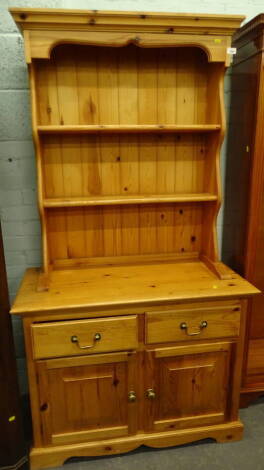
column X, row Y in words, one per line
column 202, row 325
column 75, row 339
column 132, row 396
column 151, row 394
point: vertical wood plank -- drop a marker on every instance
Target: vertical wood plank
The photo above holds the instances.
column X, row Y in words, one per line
column 129, row 174
column 68, row 102
column 150, row 382
column 52, row 166
column 167, row 66
column 130, row 230
column 133, row 386
column 166, row 164
column 109, row 146
column 165, row 228
column 184, row 163
column 73, row 183
column 91, row 165
column 68, row 98
column 47, row 92
column 147, row 86
column 94, row 231
column 201, row 70
column 147, row 113
column 112, row 231
column 128, row 145
column 57, row 234
column 87, row 77
column 128, row 85
column 108, row 85
column 185, row 91
column 147, row 228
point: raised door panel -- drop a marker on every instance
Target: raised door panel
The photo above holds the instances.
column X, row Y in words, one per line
column 86, row 398
column 190, row 388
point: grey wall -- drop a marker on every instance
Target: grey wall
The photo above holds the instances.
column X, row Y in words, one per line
column 18, row 207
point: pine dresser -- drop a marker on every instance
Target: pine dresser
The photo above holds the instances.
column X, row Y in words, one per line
column 134, row 329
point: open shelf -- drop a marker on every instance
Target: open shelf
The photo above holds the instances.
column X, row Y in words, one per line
column 131, row 199
column 115, row 128
column 128, row 144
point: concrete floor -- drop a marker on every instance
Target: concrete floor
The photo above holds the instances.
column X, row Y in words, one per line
column 206, row 455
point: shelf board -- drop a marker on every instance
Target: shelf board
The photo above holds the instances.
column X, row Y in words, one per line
column 127, row 128
column 129, row 199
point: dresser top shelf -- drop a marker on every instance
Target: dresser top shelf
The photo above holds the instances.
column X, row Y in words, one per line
column 127, row 285
column 39, row 18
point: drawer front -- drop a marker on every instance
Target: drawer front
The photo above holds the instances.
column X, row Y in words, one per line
column 70, row 338
column 186, row 325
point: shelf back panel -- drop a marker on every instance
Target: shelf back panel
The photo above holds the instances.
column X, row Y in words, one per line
column 126, row 164
column 124, row 230
column 88, row 85
column 124, row 85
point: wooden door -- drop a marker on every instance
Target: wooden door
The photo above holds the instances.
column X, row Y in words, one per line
column 87, row 398
column 187, row 386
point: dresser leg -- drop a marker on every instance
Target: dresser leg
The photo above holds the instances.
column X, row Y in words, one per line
column 234, row 435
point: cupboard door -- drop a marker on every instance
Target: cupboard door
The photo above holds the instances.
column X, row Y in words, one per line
column 87, row 398
column 187, row 386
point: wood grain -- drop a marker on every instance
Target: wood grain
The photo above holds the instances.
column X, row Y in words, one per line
column 54, row 339
column 98, row 150
column 166, row 327
column 128, row 120
column 127, row 285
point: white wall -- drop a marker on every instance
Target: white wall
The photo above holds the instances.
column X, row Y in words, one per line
column 18, row 208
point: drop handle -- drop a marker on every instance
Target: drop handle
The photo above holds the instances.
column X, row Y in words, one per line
column 151, row 394
column 132, row 396
column 75, row 339
column 184, row 326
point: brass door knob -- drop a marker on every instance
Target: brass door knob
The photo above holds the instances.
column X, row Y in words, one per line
column 151, row 394
column 132, row 396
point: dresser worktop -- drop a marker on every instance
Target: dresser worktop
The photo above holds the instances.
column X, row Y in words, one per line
column 112, row 286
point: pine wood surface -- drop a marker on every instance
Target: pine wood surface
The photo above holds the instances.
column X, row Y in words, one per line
column 186, row 376
column 128, row 121
column 53, row 339
column 165, row 326
column 135, row 199
column 65, row 419
column 109, row 286
column 44, row 28
column 126, row 128
column 123, row 126
column 55, row 456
